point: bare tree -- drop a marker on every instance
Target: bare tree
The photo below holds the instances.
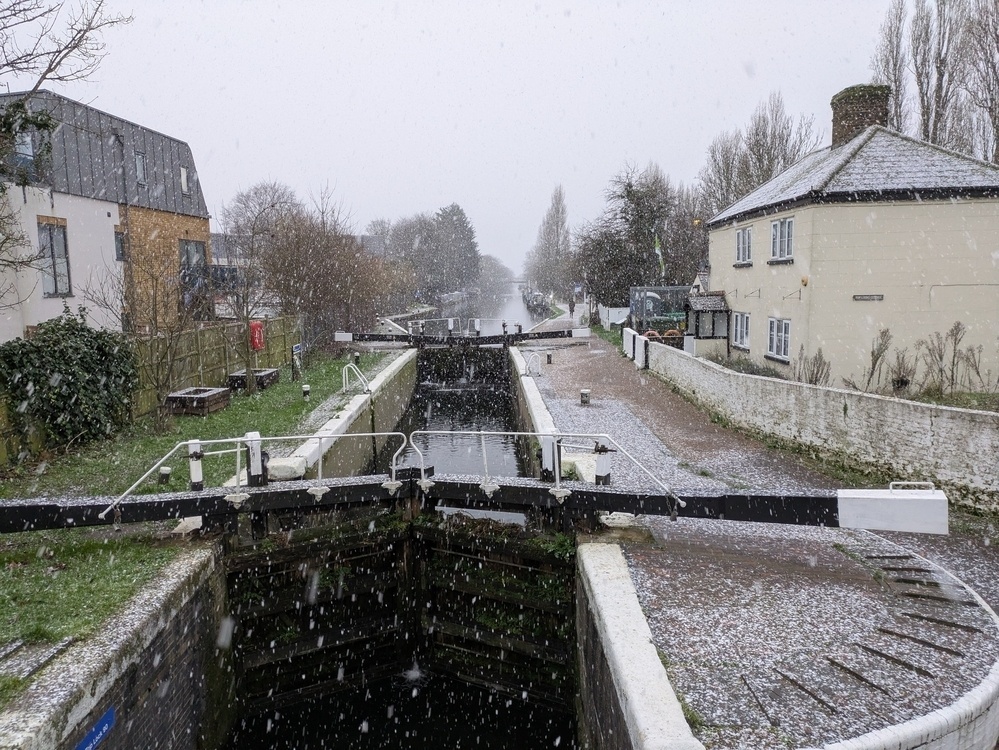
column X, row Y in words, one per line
column 719, row 178
column 162, row 341
column 890, row 64
column 739, row 162
column 39, row 42
column 253, row 223
column 773, row 141
column 318, row 270
column 982, row 80
column 547, row 262
column 935, row 40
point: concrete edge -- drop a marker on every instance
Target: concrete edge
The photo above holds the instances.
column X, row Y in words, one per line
column 72, row 685
column 541, row 418
column 340, row 424
column 651, row 709
column 926, row 731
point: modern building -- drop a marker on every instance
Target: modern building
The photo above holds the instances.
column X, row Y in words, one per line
column 876, row 232
column 116, row 214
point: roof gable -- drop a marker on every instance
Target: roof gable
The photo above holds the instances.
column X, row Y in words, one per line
column 877, row 162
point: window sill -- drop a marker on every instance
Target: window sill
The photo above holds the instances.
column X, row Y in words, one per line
column 780, row 261
column 57, row 295
column 775, row 358
column 743, row 264
column 740, row 347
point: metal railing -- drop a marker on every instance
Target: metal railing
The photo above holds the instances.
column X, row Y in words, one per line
column 252, row 443
column 556, row 438
column 349, row 369
column 195, row 454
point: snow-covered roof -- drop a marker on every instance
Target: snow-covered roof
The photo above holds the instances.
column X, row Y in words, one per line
column 876, row 163
column 710, row 302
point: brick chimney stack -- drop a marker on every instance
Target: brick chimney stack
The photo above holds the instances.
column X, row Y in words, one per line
column 857, row 108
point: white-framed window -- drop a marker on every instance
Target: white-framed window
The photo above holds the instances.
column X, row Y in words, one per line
column 23, row 145
column 782, row 239
column 140, row 167
column 54, row 258
column 779, row 339
column 740, row 330
column 744, row 245
column 184, row 187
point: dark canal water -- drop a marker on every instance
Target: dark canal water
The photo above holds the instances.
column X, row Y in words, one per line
column 417, row 709
column 410, row 711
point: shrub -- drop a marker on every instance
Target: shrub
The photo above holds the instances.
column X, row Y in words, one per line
column 70, row 380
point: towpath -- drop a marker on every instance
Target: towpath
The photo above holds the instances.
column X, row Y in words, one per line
column 764, row 628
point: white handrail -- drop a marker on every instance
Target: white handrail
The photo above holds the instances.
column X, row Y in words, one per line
column 239, row 442
column 557, row 436
column 349, row 368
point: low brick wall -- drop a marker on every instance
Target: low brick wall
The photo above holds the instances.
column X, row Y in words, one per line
column 154, row 667
column 955, row 448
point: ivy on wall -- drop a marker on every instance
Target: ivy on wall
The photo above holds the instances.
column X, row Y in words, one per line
column 73, row 382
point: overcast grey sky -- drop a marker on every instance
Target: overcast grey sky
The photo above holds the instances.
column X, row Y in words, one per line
column 403, row 107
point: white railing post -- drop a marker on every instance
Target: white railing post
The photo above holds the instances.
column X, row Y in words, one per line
column 254, row 461
column 194, row 456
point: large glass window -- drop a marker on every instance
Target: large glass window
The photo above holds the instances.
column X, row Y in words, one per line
column 54, row 258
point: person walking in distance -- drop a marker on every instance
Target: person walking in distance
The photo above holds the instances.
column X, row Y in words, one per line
column 572, row 309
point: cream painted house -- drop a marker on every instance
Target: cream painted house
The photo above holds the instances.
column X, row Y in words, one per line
column 877, row 231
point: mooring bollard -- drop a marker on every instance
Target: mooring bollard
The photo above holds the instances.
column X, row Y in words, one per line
column 549, row 355
column 306, row 391
column 357, row 359
column 194, row 456
column 164, row 477
column 584, row 396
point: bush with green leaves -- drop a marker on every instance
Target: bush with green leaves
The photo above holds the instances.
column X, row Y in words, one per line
column 69, row 380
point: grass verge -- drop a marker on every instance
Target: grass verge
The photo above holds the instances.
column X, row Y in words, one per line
column 65, row 583
column 611, row 335
column 110, row 467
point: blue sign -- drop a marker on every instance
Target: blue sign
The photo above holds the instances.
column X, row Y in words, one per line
column 96, row 735
column 296, row 348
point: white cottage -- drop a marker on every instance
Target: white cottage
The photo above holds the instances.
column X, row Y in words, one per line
column 877, row 231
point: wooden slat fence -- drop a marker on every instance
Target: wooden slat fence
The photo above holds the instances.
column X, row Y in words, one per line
column 205, row 357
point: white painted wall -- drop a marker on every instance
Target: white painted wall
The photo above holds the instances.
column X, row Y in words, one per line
column 956, row 448
column 934, row 263
column 90, row 248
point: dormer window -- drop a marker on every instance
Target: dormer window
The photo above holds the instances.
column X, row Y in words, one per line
column 140, row 167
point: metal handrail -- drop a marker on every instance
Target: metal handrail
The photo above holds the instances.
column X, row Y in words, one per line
column 557, row 436
column 240, row 442
column 349, row 368
column 531, row 358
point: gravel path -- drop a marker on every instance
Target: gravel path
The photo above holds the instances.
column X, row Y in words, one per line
column 765, row 628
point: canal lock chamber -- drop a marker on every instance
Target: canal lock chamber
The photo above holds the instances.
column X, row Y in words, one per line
column 382, row 629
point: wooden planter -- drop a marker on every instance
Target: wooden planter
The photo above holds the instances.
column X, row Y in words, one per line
column 264, row 378
column 199, row 401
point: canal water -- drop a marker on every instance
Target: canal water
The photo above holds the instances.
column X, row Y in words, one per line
column 411, row 710
column 457, row 391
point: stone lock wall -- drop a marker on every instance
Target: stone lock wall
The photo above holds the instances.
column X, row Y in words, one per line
column 154, row 668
